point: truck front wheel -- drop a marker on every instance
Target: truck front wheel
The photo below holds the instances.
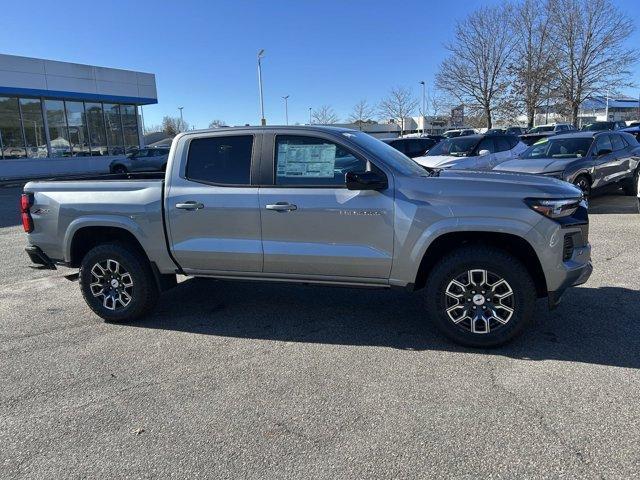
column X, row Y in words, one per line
column 480, row 296
column 117, row 282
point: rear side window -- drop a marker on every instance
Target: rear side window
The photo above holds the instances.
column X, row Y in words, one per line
column 220, row 160
column 617, row 142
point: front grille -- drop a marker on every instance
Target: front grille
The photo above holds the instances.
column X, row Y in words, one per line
column 567, row 247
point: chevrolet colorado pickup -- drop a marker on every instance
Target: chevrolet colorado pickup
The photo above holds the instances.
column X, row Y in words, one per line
column 317, row 205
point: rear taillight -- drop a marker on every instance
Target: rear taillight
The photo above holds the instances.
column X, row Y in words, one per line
column 26, row 200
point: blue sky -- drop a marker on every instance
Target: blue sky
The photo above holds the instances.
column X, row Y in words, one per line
column 204, row 52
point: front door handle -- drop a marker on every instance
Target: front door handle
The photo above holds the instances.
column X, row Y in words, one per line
column 282, row 207
column 190, row 205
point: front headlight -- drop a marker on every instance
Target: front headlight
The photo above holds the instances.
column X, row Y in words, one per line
column 557, row 175
column 554, row 208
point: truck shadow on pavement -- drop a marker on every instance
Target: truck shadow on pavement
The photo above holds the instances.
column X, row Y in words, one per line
column 592, row 325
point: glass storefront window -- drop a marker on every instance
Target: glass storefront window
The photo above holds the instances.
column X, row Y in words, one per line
column 58, row 133
column 78, row 136
column 34, row 127
column 97, row 133
column 10, row 129
column 130, row 127
column 114, row 129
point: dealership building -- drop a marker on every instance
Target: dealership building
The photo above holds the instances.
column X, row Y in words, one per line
column 59, row 118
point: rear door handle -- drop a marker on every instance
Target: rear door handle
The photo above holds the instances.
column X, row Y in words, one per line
column 282, row 207
column 190, row 205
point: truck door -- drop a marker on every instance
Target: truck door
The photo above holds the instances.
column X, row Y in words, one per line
column 213, row 217
column 312, row 225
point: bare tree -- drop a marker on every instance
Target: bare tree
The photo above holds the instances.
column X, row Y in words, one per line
column 590, row 36
column 324, row 115
column 173, row 125
column 475, row 72
column 398, row 105
column 362, row 113
column 534, row 57
column 217, row 123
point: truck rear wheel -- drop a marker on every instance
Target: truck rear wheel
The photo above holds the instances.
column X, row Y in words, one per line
column 117, row 282
column 480, row 296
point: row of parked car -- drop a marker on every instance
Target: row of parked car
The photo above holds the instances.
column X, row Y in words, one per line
column 600, row 155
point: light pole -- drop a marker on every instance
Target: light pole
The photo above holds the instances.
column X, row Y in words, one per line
column 606, row 109
column 286, row 109
column 263, row 121
column 423, row 103
column 181, row 120
column 309, row 115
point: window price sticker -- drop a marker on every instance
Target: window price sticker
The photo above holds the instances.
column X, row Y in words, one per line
column 306, row 161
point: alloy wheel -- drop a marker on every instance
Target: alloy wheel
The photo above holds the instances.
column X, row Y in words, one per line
column 479, row 301
column 111, row 282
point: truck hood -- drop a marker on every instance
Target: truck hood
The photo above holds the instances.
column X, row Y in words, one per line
column 449, row 161
column 486, row 185
column 537, row 165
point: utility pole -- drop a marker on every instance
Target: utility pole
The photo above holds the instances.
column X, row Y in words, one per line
column 309, row 115
column 263, row 121
column 546, row 119
column 181, row 120
column 606, row 108
column 286, row 109
column 423, row 104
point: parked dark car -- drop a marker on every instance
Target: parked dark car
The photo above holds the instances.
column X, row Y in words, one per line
column 589, row 160
column 543, row 131
column 599, row 126
column 412, row 147
column 143, row 160
column 495, row 131
column 515, row 131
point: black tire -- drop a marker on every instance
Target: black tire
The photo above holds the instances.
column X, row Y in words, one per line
column 120, row 169
column 630, row 186
column 584, row 184
column 143, row 291
column 498, row 264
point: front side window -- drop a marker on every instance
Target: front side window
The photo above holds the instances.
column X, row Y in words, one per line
column 220, row 160
column 311, row 161
column 486, row 144
column 502, row 144
column 617, row 142
column 603, row 142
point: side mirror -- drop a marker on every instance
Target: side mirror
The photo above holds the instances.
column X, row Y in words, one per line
column 366, row 181
column 603, row 151
column 484, row 152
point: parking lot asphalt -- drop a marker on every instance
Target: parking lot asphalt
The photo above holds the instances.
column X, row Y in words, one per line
column 241, row 380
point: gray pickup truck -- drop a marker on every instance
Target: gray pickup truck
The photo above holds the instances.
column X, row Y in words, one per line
column 317, row 205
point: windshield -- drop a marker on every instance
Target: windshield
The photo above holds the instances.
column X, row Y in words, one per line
column 390, row 155
column 456, row 147
column 542, row 128
column 576, row 147
column 593, row 127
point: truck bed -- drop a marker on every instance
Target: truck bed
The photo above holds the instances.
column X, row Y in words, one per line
column 133, row 202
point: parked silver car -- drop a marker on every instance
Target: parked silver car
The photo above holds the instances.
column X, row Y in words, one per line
column 475, row 152
column 153, row 159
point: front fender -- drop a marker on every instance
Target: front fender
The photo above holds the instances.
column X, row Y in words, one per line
column 409, row 257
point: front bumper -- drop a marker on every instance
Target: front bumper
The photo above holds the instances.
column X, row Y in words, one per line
column 574, row 277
